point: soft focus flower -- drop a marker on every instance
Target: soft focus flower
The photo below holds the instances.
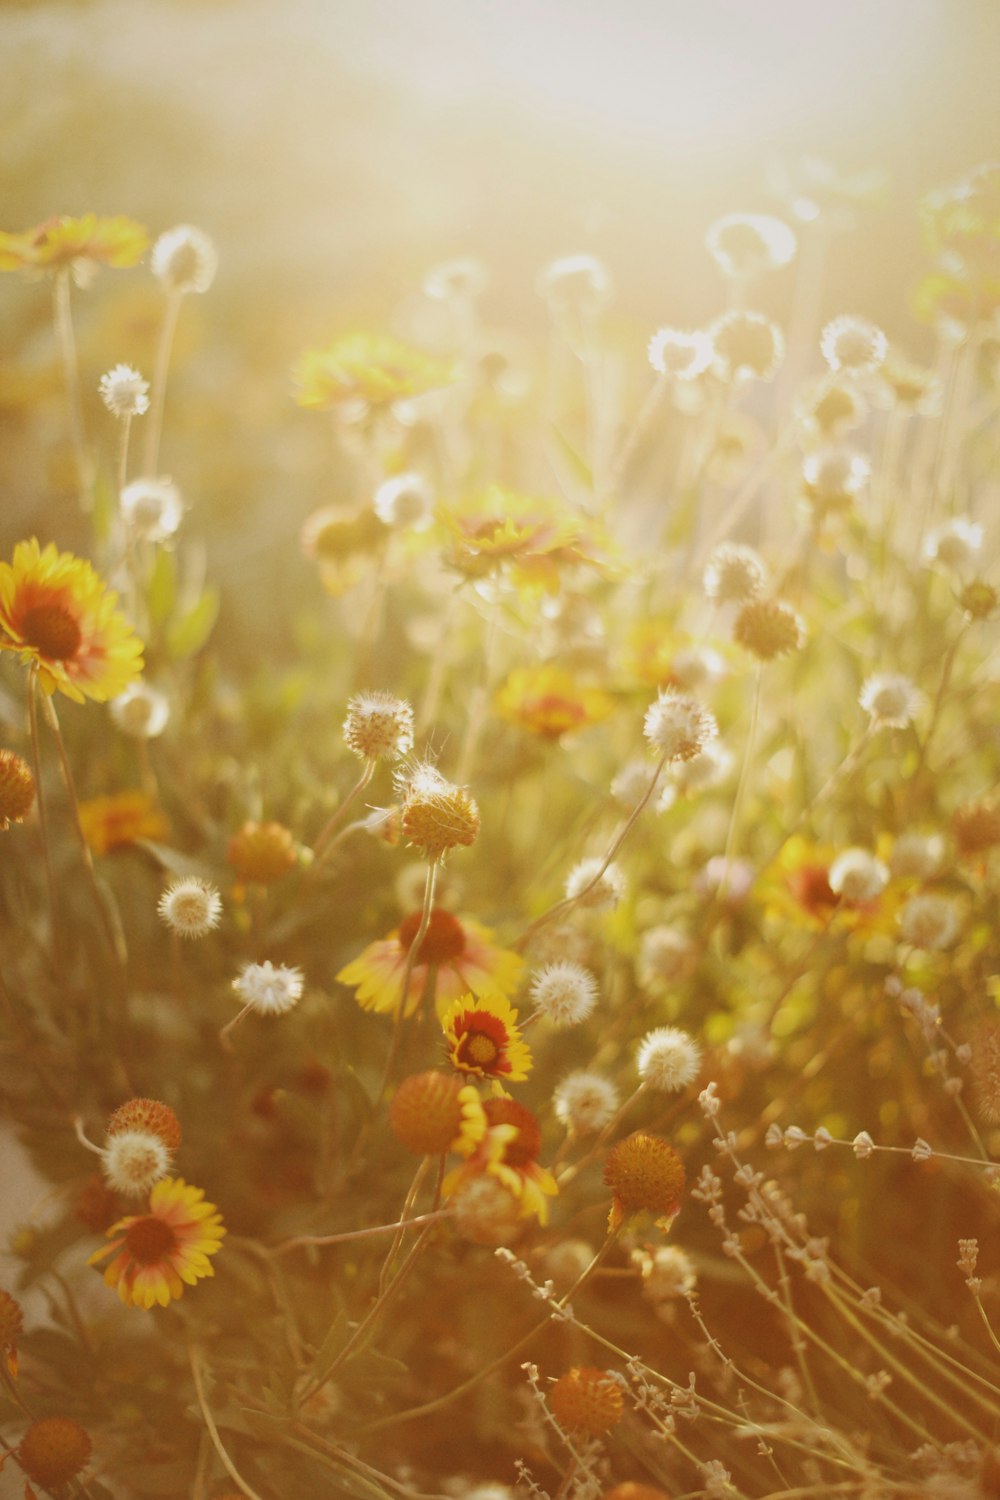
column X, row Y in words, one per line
column 708, row 768
column 830, row 407
column 909, row 387
column 833, row 477
column 152, row 509
column 432, row 1113
column 487, row 1212
column 587, row 1401
column 185, row 260
column 81, row 244
column 378, row 725
column 134, row 1160
column 679, row 727
column 667, row 1273
column 120, row 819
column 17, row 789
column 665, row 954
column 668, row 1059
column 262, row 853
column 190, row 907
column 269, row 989
column 344, row 543
column 124, row 392
column 436, row 815
column 746, row 346
column 917, row 856
column 140, row 711
column 744, row 244
column 575, row 283
column 976, row 826
column 371, row 368
column 53, row 1451
column 509, row 1152
column 404, row 501
column 734, row 574
column 482, row 1038
column 891, row 699
column 564, row 993
column 857, row 877
column 600, row 891
column 854, row 344
column 60, row 618
column 768, row 628
column 461, row 953
column 150, row 1115
column 956, row 544
column 680, row 355
column 11, row 1324
column 157, row 1254
column 548, row 701
column 646, row 1175
column 585, row 1102
column 929, row 921
column 538, row 538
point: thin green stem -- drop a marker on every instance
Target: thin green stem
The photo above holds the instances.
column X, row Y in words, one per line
column 161, row 369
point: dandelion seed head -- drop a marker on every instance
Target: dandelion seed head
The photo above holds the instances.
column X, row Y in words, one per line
column 891, row 699
column 768, row 628
column 664, row 955
column 746, row 346
column 833, row 477
column 708, row 768
column 678, row 354
column 185, row 260
column 600, row 896
column 378, row 725
column 857, row 877
column 564, row 993
column 956, row 544
column 678, row 726
column 134, row 1160
column 140, row 711
column 631, row 783
column 269, row 989
column 487, row 1212
column 190, row 907
column 734, row 574
column 584, row 1102
column 929, row 921
column 124, row 392
column 745, row 244
column 668, row 1059
column 854, row 344
column 152, row 509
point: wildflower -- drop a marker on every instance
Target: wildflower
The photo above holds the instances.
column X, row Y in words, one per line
column 509, row 1152
column 81, row 245
column 600, row 891
column 152, row 509
column 460, row 280
column 985, row 1069
column 404, row 501
column 432, row 1113
column 645, row 1174
column 696, row 667
column 976, row 826
column 979, row 600
column 134, row 1160
column 157, row 1253
column 60, row 618
column 190, row 907
column 664, row 955
column 909, row 387
column 734, row 574
column 184, row 260
column 482, row 1038
column 115, row 822
column 487, row 1212
column 830, row 407
column 577, row 283
column 140, row 711
column 149, row 1115
column 668, row 1059
column 857, row 877
column 587, row 1401
column 916, row 856
column 744, row 244
column 746, row 346
column 955, row 544
column 706, row 769
column 585, row 1102
column 269, row 989
column 730, row 878
column 667, row 1273
column 678, row 726
column 682, row 356
column 374, row 369
column 378, row 725
column 850, row 343
column 11, row 1324
column 929, row 921
column 891, row 699
column 459, row 950
column 738, row 443
column 631, row 783
column 262, row 853
column 564, row 993
column 536, row 537
column 437, row 815
column 768, row 628
column 343, row 543
column 17, row 789
column 124, row 392
column 53, row 1451
column 550, row 702
column 833, row 478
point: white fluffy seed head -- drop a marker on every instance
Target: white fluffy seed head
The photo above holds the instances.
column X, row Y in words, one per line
column 855, row 344
column 190, row 907
column 734, row 574
column 678, row 726
column 668, row 1059
column 269, row 989
column 564, row 993
column 487, row 1212
column 405, row 501
column 667, row 1272
column 708, row 768
column 891, row 699
column 585, row 1102
column 124, row 392
column 917, row 856
column 601, row 896
column 575, row 283
column 956, row 545
column 745, row 244
column 140, row 711
column 680, row 355
column 184, row 260
column 929, row 921
column 858, row 877
column 152, row 509
column 631, row 783
column 664, row 954
column 134, row 1160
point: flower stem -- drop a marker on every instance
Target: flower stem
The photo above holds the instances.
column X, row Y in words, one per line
column 151, row 452
column 63, row 317
column 43, row 823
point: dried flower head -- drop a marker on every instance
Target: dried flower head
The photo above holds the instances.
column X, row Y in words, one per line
column 742, row 245
column 134, row 1160
column 378, row 725
column 833, row 477
column 124, row 392
column 929, row 921
column 976, row 826
column 667, row 1273
column 679, row 727
column 857, row 877
column 600, row 891
column 646, row 1175
column 190, row 907
column 262, row 852
column 185, row 260
column 664, row 955
column 436, row 1112
column 575, row 283
column 734, row 574
column 917, row 856
column 269, row 989
column 587, row 1401
column 405, row 501
column 585, row 1102
column 956, row 544
column 668, row 1059
column 53, row 1451
column 830, row 407
column 678, row 354
column 746, row 346
column 152, row 509
column 768, row 628
column 437, row 815
column 148, row 1115
column 17, row 788
column 851, row 343
column 564, row 993
column 141, row 711
column 487, row 1212
column 891, row 699
column 706, row 769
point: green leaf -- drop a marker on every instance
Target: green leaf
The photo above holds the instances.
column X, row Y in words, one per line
column 188, row 634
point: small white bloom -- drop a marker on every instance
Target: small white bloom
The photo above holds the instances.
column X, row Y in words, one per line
column 269, row 989
column 152, row 509
column 731, row 878
column 378, row 725
column 863, row 1145
column 631, row 783
column 679, row 726
column 190, row 907
column 956, row 545
column 667, row 1272
column 184, row 260
column 564, row 993
column 404, row 501
column 834, row 476
column 929, row 921
column 602, row 896
column 578, row 282
column 668, row 1059
column 682, row 356
column 140, row 711
column 124, row 392
column 134, row 1160
column 858, row 877
column 891, row 699
column 696, row 667
column 850, row 343
column 706, row 769
column 664, row 955
column 733, row 574
column 585, row 1102
column 745, row 244
column 917, row 856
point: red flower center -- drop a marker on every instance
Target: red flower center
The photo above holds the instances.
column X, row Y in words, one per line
column 150, row 1240
column 527, row 1144
column 811, row 888
column 52, row 630
column 443, row 941
column 481, row 1040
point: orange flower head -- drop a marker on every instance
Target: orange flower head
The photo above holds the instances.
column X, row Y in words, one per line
column 53, row 1450
column 587, row 1401
column 768, row 628
column 646, row 1175
column 262, row 853
column 58, row 616
column 150, row 1115
column 17, row 788
column 435, row 1112
column 482, row 1038
column 114, row 822
column 976, row 826
column 375, row 369
column 526, row 1143
column 550, row 702
column 81, row 244
column 437, row 815
column 157, row 1254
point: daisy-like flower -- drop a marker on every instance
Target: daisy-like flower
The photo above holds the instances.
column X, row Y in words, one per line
column 746, row 346
column 141, row 711
column 508, row 1152
column 152, row 509
column 378, row 725
column 81, row 245
column 185, row 260
column 536, row 537
column 124, row 392
column 190, row 907
column 585, row 1102
column 548, row 701
column 269, row 989
column 680, row 355
column 851, row 343
column 679, row 727
column 483, row 1039
column 742, row 245
column 61, row 619
column 564, row 993
column 121, row 819
column 375, row 370
column 891, row 699
column 668, row 1059
column 460, row 951
column 158, row 1253
column 600, row 893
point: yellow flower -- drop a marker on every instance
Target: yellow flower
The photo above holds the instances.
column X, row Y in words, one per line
column 83, row 244
column 549, row 702
column 483, row 1038
column 797, row 889
column 112, row 822
column 460, row 951
column 536, row 537
column 508, row 1151
column 369, row 367
column 61, row 618
column 160, row 1251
